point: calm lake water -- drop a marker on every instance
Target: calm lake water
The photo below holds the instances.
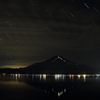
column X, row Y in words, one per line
column 52, row 87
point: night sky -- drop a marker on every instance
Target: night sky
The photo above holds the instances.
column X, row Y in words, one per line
column 34, row 30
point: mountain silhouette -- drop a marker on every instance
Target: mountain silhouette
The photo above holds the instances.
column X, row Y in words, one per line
column 58, row 64
column 54, row 65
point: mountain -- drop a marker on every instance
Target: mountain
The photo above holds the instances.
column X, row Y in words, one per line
column 54, row 65
column 58, row 64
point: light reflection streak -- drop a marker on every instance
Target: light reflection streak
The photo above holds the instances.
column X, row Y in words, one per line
column 44, row 76
column 12, row 83
column 84, row 76
column 71, row 76
column 79, row 76
column 59, row 76
column 40, row 76
column 60, row 93
column 56, row 76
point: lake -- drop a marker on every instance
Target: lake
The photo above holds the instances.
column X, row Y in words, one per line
column 49, row 87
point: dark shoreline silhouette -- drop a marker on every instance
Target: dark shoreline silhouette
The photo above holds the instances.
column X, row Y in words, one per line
column 56, row 64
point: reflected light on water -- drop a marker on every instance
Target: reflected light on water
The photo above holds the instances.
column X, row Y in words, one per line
column 60, row 93
column 44, row 76
column 40, row 76
column 79, row 76
column 12, row 83
column 84, row 76
column 71, row 76
column 3, row 74
column 98, row 75
column 17, row 75
column 57, row 76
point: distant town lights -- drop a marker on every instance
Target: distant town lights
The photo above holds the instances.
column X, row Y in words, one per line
column 84, row 75
column 44, row 76
column 57, row 76
column 79, row 76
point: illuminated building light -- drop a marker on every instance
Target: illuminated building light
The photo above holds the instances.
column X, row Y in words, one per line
column 3, row 74
column 84, row 75
column 57, row 76
column 44, row 76
column 79, row 76
column 60, row 93
column 16, row 75
column 97, row 74
column 70, row 76
column 63, row 76
column 19, row 75
column 40, row 76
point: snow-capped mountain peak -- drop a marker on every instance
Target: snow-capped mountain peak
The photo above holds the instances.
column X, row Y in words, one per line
column 58, row 57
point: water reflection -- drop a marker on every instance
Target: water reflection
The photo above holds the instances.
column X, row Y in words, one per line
column 57, row 77
column 11, row 82
column 63, row 84
column 57, row 84
column 78, row 76
column 43, row 76
column 84, row 76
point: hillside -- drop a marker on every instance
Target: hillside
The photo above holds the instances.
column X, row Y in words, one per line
column 53, row 65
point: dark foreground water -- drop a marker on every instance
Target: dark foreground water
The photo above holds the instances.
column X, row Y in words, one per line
column 53, row 87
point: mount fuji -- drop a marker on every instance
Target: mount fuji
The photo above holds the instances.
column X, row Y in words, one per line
column 54, row 65
column 58, row 64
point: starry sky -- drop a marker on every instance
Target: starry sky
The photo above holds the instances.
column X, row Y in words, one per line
column 34, row 30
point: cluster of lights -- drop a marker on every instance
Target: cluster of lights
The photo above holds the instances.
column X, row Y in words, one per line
column 56, row 92
column 19, row 75
column 43, row 76
column 61, row 92
column 56, row 76
column 3, row 74
column 59, row 76
column 79, row 76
